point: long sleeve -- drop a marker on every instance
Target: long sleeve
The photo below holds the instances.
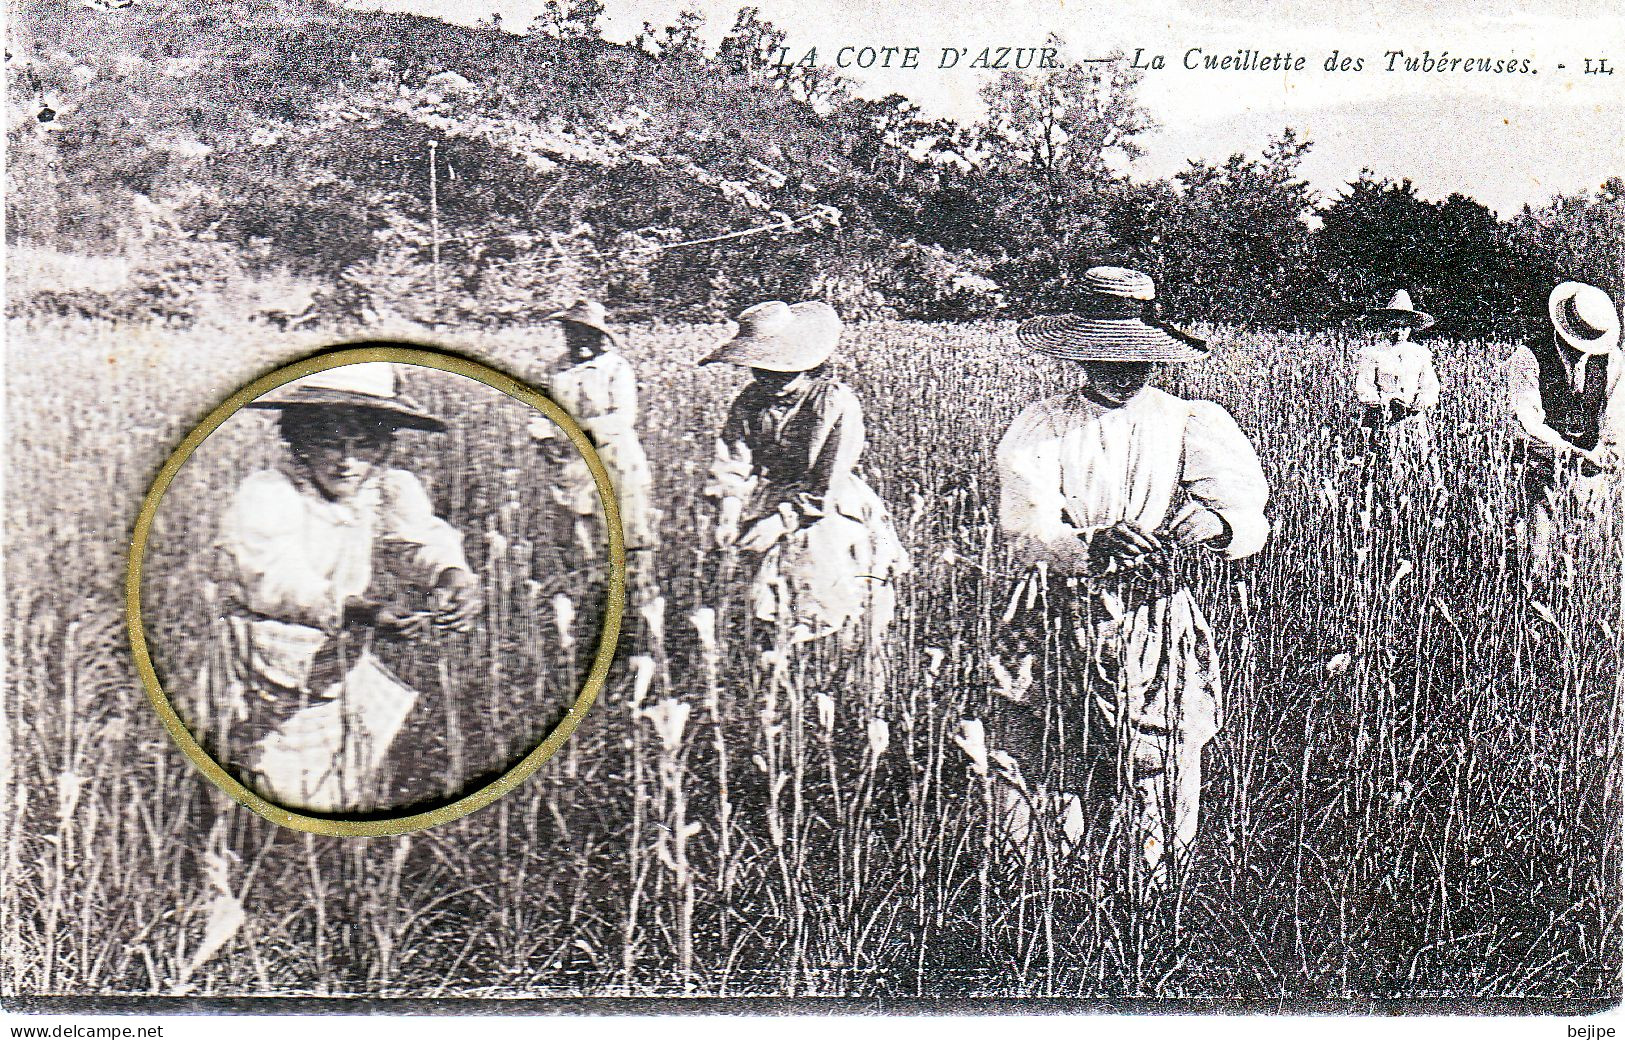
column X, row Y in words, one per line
column 1365, row 378
column 837, row 443
column 1032, row 509
column 1222, row 472
column 1427, row 385
column 622, row 391
column 266, row 559
column 565, row 389
column 1613, row 421
column 406, row 515
column 733, row 472
column 1523, row 392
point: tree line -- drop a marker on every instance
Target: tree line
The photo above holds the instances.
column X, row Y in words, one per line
column 477, row 174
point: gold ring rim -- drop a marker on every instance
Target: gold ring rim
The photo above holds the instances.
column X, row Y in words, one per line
column 422, row 356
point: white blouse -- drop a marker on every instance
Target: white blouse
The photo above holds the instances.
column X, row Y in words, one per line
column 1400, row 372
column 290, row 558
column 601, row 394
column 1069, row 467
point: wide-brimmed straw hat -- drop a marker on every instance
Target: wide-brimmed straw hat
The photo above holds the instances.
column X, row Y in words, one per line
column 1399, row 313
column 1584, row 317
column 1115, row 320
column 589, row 313
column 368, row 387
column 781, row 337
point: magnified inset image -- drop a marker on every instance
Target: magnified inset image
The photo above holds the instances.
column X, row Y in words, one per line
column 361, row 596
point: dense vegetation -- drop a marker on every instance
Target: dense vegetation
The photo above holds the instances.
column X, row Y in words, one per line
column 1416, row 792
column 1414, row 798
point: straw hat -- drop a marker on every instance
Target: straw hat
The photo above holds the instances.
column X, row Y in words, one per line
column 589, row 313
column 782, row 337
column 1115, row 321
column 1400, row 312
column 369, row 387
column 1584, row 317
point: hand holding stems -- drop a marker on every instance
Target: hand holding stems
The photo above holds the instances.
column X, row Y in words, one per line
column 548, row 437
column 1601, row 459
column 389, row 621
column 769, row 529
column 1126, row 545
column 1201, row 527
column 457, row 600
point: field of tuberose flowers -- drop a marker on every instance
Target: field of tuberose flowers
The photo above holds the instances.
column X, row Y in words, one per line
column 1415, row 795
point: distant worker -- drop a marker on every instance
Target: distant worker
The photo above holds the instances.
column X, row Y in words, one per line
column 1397, row 387
column 600, row 391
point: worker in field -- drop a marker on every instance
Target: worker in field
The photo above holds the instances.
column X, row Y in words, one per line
column 790, row 495
column 313, row 712
column 1397, row 387
column 597, row 386
column 1102, row 488
column 1567, row 394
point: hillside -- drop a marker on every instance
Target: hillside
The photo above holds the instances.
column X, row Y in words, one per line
column 315, row 164
column 298, row 136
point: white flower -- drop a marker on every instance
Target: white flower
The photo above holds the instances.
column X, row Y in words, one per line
column 972, row 740
column 1400, row 574
column 825, row 706
column 1545, row 613
column 564, row 617
column 1339, row 664
column 669, row 718
column 68, row 786
column 704, row 621
column 879, row 738
column 643, row 676
column 654, row 619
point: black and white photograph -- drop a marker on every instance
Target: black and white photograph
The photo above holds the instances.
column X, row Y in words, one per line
column 1123, row 506
column 301, row 627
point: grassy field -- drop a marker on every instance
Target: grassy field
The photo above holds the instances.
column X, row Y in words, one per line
column 1415, row 795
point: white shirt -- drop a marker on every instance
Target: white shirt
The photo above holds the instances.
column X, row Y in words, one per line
column 1069, row 467
column 600, row 393
column 1400, row 372
column 291, row 558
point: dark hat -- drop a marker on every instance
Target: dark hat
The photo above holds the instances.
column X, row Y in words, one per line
column 1114, row 321
column 368, row 386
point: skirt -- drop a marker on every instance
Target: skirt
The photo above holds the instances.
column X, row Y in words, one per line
column 1127, row 679
column 836, row 574
column 628, row 467
column 327, row 757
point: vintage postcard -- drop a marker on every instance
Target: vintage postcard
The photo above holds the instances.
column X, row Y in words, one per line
column 913, row 504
